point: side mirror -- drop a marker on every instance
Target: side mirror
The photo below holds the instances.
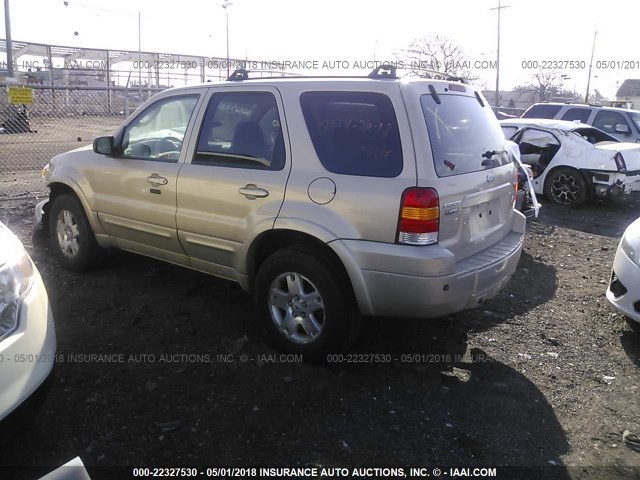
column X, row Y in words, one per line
column 620, row 128
column 103, row 145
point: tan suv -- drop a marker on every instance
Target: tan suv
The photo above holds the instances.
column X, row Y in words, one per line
column 326, row 198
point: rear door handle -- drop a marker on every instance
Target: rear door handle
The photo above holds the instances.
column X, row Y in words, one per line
column 251, row 191
column 156, row 179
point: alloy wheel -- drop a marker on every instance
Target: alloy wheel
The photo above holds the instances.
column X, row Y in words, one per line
column 296, row 307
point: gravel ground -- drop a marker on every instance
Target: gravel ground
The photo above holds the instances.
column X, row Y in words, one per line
column 544, row 374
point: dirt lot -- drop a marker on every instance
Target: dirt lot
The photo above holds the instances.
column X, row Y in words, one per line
column 544, row 374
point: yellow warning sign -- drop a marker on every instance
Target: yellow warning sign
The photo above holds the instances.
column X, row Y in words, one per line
column 19, row 95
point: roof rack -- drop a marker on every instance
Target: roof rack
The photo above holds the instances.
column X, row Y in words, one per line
column 385, row 71
column 243, row 74
column 436, row 75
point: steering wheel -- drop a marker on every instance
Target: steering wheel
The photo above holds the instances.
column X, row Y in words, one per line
column 175, row 143
column 169, row 147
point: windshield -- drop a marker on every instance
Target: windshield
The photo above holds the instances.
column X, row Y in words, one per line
column 465, row 136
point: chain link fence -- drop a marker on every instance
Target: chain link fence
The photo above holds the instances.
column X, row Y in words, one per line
column 58, row 120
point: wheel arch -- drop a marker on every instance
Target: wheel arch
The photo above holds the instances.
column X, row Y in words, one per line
column 270, row 241
column 59, row 187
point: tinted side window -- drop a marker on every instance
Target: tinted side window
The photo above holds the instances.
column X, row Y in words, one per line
column 241, row 129
column 580, row 114
column 354, row 133
column 607, row 121
column 542, row 111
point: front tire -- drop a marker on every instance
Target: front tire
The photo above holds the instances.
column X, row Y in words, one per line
column 72, row 239
column 305, row 303
column 566, row 186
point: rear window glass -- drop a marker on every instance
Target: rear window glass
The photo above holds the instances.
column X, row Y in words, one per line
column 465, row 136
column 354, row 133
column 542, row 111
column 241, row 130
column 579, row 114
column 593, row 135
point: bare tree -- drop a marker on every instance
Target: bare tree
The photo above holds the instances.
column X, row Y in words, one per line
column 546, row 84
column 437, row 53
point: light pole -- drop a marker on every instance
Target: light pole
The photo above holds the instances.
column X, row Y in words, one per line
column 499, row 9
column 7, row 27
column 226, row 5
column 593, row 49
column 139, row 59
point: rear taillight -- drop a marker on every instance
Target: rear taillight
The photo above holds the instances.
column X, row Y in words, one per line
column 419, row 217
column 622, row 167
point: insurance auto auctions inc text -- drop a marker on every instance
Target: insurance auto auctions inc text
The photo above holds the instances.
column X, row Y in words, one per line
column 353, row 472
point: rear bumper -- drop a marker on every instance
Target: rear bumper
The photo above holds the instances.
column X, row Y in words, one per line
column 631, row 183
column 431, row 284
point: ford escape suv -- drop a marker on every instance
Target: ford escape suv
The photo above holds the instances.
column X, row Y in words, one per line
column 326, row 198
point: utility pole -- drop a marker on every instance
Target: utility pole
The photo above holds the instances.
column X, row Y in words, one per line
column 7, row 27
column 139, row 58
column 593, row 49
column 226, row 5
column 499, row 8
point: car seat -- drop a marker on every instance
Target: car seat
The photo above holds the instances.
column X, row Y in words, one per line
column 248, row 140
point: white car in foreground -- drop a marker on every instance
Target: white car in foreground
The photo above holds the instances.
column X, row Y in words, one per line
column 624, row 288
column 573, row 162
column 27, row 333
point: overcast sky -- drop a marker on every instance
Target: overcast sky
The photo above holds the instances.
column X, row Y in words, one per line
column 350, row 30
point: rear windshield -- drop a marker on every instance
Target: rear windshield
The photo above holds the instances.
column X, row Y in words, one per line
column 593, row 135
column 542, row 111
column 465, row 136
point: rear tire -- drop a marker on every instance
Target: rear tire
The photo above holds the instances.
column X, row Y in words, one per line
column 306, row 303
column 635, row 326
column 72, row 239
column 566, row 186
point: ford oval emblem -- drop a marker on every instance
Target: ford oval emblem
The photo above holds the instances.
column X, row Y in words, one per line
column 490, row 178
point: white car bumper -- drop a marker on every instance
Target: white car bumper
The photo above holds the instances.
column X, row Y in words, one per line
column 631, row 183
column 27, row 355
column 624, row 286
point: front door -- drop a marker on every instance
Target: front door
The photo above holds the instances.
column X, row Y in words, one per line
column 135, row 190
